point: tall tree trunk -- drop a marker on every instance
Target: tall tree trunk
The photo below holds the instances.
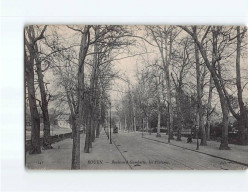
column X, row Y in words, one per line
column 73, row 125
column 92, row 103
column 224, row 135
column 209, row 107
column 35, row 118
column 29, row 76
column 168, row 83
column 98, row 129
column 87, row 137
column 199, row 101
column 168, row 92
column 170, row 111
column 224, row 105
column 99, row 118
column 44, row 101
column 93, row 135
column 125, row 123
column 243, row 118
column 134, row 123
column 147, row 124
column 163, row 49
column 179, row 115
column 219, row 83
column 159, row 120
column 76, row 146
column 76, row 142
column 85, row 39
column 158, row 106
column 179, row 94
column 225, row 111
column 143, row 124
column 44, row 107
column 133, row 108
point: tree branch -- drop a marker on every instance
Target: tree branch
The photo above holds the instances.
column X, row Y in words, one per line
column 41, row 34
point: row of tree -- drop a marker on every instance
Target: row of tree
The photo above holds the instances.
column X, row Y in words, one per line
column 188, row 74
column 182, row 71
column 79, row 61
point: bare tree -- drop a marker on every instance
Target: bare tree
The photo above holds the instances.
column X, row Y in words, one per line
column 181, row 59
column 209, row 107
column 243, row 117
column 212, row 68
column 164, row 37
column 44, row 100
column 200, row 124
column 30, row 40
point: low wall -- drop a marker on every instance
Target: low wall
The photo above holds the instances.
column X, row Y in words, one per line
column 53, row 139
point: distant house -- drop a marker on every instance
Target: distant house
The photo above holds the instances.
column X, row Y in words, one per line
column 63, row 121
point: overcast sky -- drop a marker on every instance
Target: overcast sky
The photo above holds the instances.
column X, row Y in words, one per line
column 127, row 67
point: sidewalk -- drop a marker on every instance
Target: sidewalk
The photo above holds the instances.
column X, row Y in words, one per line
column 237, row 153
column 60, row 156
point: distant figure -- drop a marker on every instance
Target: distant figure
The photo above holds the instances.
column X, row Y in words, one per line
column 116, row 129
column 189, row 140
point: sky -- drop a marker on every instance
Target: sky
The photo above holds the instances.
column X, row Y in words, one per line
column 127, row 67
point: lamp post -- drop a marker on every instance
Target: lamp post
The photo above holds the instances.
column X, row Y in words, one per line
column 105, row 124
column 110, row 138
column 168, row 121
column 197, row 141
column 197, row 130
column 142, row 127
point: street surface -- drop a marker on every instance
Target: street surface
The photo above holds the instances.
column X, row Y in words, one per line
column 130, row 151
column 164, row 156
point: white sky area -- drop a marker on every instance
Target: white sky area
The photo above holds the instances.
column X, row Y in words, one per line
column 127, row 67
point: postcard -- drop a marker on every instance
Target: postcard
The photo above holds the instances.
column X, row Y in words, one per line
column 121, row 97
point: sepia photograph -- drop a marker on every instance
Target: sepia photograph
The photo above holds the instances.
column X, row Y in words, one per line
column 136, row 97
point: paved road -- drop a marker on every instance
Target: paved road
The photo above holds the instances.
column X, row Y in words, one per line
column 141, row 153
